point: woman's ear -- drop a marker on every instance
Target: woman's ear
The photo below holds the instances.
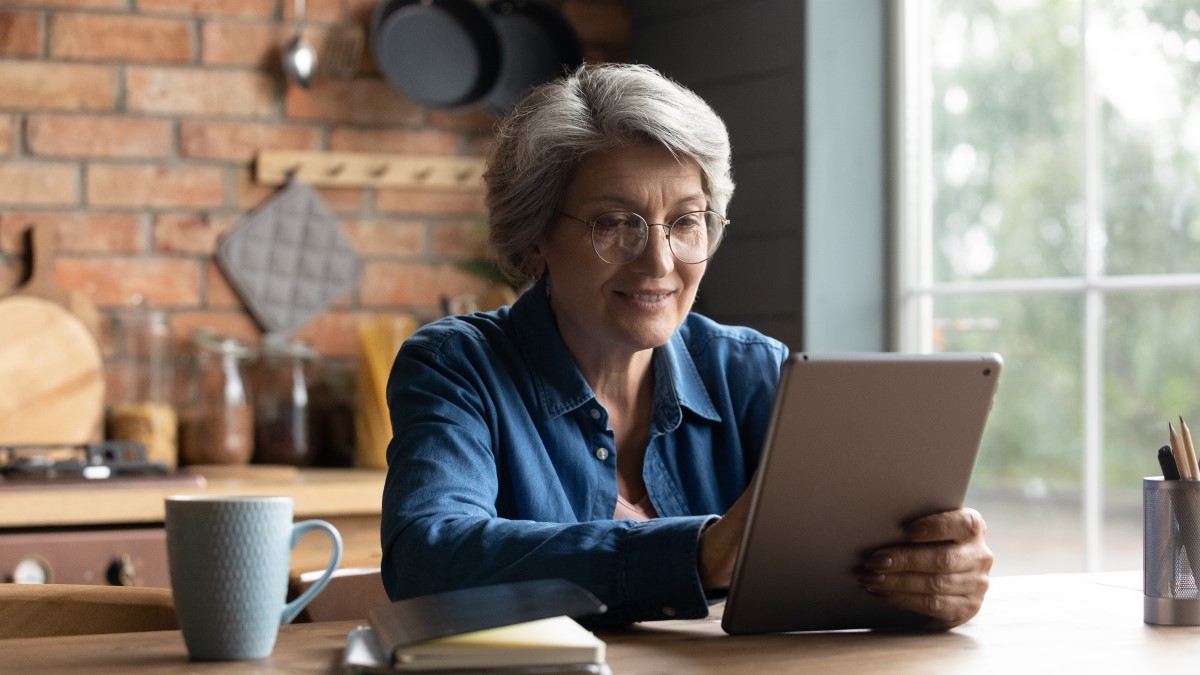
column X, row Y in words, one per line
column 535, row 262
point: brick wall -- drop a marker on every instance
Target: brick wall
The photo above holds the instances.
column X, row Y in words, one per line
column 131, row 125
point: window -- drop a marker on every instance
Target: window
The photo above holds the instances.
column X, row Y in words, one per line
column 1048, row 188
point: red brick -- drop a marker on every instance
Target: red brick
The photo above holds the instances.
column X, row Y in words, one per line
column 11, row 275
column 20, row 34
column 102, row 37
column 38, row 184
column 7, row 124
column 190, row 232
column 471, row 119
column 72, row 4
column 96, row 136
column 461, row 203
column 399, row 141
column 249, row 194
column 217, row 291
column 407, row 285
column 154, row 186
column 200, row 92
column 358, row 101
column 240, row 142
column 386, row 238
column 332, row 333
column 76, row 232
column 26, row 85
column 258, row 9
column 460, row 239
column 599, row 21
column 227, row 43
column 162, row 282
column 230, row 323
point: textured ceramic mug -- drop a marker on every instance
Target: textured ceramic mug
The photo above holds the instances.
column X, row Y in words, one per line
column 229, row 560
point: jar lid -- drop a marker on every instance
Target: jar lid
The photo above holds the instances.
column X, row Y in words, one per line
column 278, row 346
column 206, row 338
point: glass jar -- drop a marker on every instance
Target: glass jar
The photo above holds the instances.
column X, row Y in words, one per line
column 141, row 401
column 217, row 425
column 282, row 413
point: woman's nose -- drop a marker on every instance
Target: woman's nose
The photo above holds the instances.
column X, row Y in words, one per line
column 656, row 258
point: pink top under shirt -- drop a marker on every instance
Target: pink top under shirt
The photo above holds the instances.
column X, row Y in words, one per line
column 642, row 511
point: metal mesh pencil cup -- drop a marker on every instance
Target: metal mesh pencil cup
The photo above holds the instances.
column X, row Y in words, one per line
column 1171, row 551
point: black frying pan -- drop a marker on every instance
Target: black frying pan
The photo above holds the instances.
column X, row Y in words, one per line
column 439, row 53
column 538, row 45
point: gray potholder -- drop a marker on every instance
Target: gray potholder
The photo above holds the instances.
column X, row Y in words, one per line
column 288, row 260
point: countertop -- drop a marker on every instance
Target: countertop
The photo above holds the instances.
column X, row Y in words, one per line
column 317, row 492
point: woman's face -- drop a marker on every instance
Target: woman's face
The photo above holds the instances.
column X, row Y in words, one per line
column 604, row 309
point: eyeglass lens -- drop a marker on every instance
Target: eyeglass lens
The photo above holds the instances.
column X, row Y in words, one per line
column 619, row 237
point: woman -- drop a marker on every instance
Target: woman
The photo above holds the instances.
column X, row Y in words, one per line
column 595, row 429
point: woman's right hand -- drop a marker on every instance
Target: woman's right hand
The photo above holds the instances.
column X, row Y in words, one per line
column 719, row 544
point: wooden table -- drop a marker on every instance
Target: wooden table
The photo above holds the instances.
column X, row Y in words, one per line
column 1032, row 624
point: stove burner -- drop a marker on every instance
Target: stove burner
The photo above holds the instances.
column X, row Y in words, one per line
column 87, row 461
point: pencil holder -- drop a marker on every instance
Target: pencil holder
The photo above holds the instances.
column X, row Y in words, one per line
column 1171, row 551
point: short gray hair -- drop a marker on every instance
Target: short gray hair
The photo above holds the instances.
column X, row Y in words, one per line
column 597, row 107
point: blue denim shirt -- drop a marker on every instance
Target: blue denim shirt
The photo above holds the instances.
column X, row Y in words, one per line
column 502, row 464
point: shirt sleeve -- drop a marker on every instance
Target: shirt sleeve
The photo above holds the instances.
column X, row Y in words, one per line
column 441, row 530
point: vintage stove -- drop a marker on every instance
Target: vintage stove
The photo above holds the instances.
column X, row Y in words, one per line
column 131, row 555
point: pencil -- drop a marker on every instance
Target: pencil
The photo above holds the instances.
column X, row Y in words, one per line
column 1191, row 450
column 1180, row 452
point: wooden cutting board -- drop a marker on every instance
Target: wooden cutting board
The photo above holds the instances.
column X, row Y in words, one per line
column 51, row 369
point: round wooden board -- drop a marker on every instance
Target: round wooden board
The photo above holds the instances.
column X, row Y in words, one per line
column 52, row 374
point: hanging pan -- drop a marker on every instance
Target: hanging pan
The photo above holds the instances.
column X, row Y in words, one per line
column 537, row 45
column 438, row 53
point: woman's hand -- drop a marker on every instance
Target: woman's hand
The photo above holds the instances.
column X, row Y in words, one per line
column 942, row 574
column 719, row 544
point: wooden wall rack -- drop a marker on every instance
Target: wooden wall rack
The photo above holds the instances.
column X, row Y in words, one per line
column 354, row 169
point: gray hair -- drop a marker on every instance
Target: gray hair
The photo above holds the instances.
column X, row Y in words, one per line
column 598, row 107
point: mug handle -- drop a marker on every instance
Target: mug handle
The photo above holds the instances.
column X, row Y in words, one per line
column 293, row 608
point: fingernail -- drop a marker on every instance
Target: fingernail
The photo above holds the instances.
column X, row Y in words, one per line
column 868, row 580
column 879, row 563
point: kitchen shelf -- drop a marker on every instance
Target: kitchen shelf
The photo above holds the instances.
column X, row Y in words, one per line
column 358, row 169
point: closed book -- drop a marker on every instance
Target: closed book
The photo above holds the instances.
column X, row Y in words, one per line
column 545, row 642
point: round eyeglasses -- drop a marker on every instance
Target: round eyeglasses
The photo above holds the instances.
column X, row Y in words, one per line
column 619, row 237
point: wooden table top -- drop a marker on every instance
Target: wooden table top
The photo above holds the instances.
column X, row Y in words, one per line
column 1045, row 623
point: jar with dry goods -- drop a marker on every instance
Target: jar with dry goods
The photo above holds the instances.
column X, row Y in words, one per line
column 282, row 413
column 217, row 425
column 141, row 399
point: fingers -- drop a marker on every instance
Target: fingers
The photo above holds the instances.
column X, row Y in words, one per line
column 932, row 558
column 947, row 611
column 960, row 525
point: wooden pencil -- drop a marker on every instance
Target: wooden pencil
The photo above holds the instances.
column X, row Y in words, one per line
column 1191, row 449
column 1181, row 458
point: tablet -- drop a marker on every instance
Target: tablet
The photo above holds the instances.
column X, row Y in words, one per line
column 859, row 445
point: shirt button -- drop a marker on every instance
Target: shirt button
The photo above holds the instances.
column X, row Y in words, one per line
column 668, row 611
column 595, row 414
column 601, row 454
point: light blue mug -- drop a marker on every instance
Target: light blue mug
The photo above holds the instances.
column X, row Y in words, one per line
column 229, row 559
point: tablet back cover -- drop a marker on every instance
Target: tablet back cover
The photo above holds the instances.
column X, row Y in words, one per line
column 859, row 445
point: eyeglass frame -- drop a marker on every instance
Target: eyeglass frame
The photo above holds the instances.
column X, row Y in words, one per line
column 591, row 225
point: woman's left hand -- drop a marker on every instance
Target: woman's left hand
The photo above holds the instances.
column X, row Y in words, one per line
column 942, row 574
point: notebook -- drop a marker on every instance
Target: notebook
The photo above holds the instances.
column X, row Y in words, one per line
column 858, row 446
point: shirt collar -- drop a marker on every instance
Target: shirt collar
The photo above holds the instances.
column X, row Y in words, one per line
column 562, row 388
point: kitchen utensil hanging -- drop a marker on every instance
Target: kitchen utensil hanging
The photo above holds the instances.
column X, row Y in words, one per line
column 50, row 363
column 537, row 45
column 439, row 53
column 299, row 58
column 288, row 260
column 342, row 54
column 454, row 53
